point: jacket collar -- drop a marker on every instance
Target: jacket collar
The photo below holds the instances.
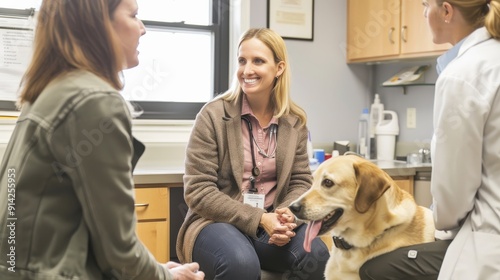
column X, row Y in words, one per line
column 476, row 37
column 448, row 57
column 233, row 111
column 286, row 134
column 232, row 120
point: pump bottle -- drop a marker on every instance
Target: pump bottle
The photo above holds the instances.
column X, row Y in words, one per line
column 376, row 115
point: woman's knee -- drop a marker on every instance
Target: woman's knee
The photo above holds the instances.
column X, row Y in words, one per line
column 223, row 252
column 238, row 263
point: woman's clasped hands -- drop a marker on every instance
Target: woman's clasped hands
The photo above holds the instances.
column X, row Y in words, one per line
column 279, row 225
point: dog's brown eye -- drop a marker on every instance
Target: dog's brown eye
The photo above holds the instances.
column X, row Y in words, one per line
column 328, row 183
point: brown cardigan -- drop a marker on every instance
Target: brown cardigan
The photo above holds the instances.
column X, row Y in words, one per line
column 214, row 172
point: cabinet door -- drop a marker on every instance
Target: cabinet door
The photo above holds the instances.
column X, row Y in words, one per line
column 373, row 28
column 405, row 183
column 416, row 36
column 155, row 236
column 153, row 227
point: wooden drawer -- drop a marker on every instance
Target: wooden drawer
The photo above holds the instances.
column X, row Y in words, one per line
column 151, row 203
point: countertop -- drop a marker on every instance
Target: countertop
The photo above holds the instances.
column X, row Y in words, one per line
column 401, row 168
column 174, row 175
column 158, row 176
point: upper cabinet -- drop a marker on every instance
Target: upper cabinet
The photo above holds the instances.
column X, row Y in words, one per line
column 379, row 30
column 416, row 36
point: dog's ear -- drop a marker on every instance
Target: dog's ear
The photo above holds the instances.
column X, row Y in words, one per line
column 372, row 184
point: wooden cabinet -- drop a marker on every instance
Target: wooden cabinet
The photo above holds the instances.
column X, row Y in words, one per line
column 372, row 29
column 405, row 183
column 155, row 236
column 151, row 206
column 416, row 36
column 380, row 30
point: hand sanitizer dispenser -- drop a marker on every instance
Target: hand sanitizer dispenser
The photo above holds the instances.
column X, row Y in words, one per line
column 386, row 131
column 376, row 110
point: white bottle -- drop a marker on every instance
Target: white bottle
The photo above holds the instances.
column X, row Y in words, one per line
column 387, row 131
column 376, row 116
column 363, row 148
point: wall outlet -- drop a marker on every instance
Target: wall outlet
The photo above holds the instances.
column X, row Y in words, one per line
column 411, row 118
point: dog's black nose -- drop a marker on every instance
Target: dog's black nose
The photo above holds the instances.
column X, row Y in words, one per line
column 295, row 207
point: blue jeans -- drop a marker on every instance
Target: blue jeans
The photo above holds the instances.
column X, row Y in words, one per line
column 224, row 252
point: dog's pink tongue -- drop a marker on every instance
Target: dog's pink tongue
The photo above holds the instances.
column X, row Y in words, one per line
column 311, row 232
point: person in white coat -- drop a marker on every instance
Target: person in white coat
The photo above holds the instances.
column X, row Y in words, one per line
column 465, row 151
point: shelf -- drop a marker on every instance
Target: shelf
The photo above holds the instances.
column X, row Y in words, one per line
column 409, row 85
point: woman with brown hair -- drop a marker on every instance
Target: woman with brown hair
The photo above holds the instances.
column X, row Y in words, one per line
column 66, row 192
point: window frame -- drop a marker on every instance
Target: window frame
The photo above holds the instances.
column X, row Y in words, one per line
column 186, row 110
column 220, row 29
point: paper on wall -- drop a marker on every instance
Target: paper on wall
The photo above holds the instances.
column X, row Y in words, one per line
column 16, row 39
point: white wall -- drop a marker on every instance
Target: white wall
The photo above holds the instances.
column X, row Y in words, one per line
column 419, row 97
column 332, row 92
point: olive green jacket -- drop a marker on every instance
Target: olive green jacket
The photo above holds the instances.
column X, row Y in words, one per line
column 214, row 172
column 67, row 177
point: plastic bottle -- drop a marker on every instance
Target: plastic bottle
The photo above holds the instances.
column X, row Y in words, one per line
column 310, row 150
column 375, row 118
column 313, row 162
column 363, row 148
column 386, row 131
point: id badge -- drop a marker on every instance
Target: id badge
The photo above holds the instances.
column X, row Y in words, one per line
column 254, row 199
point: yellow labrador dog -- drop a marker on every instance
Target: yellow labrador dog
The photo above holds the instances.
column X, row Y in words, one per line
column 367, row 214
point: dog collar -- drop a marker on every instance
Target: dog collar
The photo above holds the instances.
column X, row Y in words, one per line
column 341, row 243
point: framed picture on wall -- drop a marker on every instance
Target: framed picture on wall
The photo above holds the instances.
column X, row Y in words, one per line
column 292, row 19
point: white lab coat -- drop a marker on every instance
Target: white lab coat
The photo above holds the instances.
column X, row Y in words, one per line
column 466, row 159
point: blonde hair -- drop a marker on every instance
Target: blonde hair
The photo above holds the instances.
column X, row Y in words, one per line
column 479, row 13
column 69, row 35
column 280, row 97
column 492, row 19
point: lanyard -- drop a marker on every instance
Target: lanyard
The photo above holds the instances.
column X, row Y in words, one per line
column 255, row 169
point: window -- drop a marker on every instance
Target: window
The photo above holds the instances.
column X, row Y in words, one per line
column 183, row 58
column 20, row 4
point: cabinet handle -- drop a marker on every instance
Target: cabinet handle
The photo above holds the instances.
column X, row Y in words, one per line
column 391, row 31
column 403, row 33
column 141, row 204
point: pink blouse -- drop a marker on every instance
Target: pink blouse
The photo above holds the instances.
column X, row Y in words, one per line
column 266, row 180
